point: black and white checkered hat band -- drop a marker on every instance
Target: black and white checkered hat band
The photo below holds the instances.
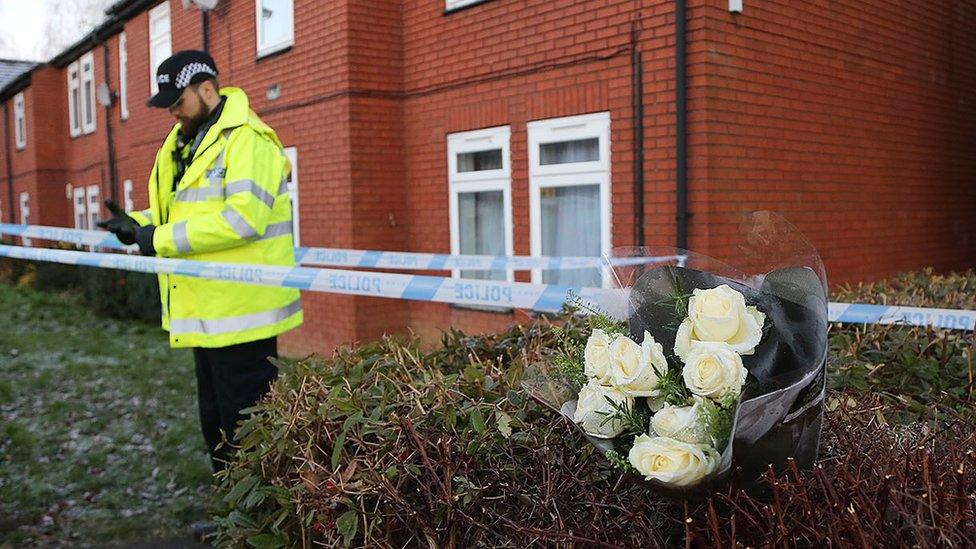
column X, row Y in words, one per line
column 191, row 70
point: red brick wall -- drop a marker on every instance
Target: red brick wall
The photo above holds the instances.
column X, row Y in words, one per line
column 36, row 168
column 854, row 119
column 516, row 62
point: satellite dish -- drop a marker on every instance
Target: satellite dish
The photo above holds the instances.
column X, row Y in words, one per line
column 104, row 95
column 204, row 5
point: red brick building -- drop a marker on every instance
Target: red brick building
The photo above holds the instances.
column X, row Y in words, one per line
column 506, row 127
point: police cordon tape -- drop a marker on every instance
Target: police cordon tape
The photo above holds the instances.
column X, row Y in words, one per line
column 522, row 295
column 460, row 291
column 371, row 259
column 862, row 313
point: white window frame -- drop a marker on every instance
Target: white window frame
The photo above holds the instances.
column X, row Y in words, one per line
column 264, row 49
column 292, row 154
column 570, row 128
column 158, row 14
column 25, row 214
column 93, row 205
column 480, row 181
column 87, row 71
column 74, row 105
column 20, row 122
column 79, row 207
column 123, row 79
column 127, row 195
column 455, row 4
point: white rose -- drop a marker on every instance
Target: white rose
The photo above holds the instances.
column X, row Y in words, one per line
column 592, row 409
column 713, row 370
column 680, row 423
column 596, row 356
column 634, row 368
column 720, row 315
column 672, row 461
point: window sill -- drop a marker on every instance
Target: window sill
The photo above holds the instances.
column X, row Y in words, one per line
column 450, row 11
column 483, row 309
column 274, row 51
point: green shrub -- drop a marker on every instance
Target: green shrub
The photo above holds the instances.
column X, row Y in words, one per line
column 386, row 445
column 118, row 294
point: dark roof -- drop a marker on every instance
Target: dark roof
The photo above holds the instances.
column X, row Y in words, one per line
column 125, row 9
column 10, row 69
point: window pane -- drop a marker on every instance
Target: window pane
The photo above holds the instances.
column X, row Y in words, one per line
column 276, row 21
column 571, row 227
column 76, row 98
column 479, row 161
column 481, row 229
column 160, row 51
column 80, row 215
column 566, row 152
column 89, row 102
column 160, row 26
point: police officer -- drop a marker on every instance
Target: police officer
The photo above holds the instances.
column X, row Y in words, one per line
column 217, row 192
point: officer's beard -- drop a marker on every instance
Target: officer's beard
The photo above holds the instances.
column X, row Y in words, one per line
column 190, row 125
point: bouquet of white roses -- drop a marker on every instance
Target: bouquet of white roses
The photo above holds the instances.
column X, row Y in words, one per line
column 704, row 361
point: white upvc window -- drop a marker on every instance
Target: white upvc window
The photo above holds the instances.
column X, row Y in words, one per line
column 81, row 211
column 480, row 207
column 455, row 4
column 74, row 100
column 25, row 214
column 94, row 210
column 123, row 79
column 160, row 44
column 87, row 70
column 20, row 121
column 569, row 193
column 127, row 195
column 292, row 154
column 275, row 22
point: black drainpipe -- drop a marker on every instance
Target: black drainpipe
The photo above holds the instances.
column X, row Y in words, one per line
column 637, row 90
column 10, row 166
column 681, row 130
column 110, row 143
column 204, row 30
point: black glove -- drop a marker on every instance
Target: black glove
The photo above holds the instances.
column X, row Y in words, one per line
column 144, row 237
column 120, row 224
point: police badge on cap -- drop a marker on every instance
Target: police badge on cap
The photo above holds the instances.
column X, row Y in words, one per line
column 179, row 71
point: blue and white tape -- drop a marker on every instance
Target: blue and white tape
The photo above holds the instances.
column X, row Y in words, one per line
column 859, row 313
column 522, row 295
column 538, row 297
column 369, row 259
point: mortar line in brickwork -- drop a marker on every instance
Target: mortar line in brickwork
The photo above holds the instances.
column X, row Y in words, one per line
column 479, row 79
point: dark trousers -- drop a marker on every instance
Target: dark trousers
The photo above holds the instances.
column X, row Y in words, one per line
column 230, row 379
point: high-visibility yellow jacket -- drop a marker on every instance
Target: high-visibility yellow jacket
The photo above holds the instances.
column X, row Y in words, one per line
column 230, row 206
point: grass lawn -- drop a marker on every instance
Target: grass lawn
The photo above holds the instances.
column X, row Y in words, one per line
column 99, row 440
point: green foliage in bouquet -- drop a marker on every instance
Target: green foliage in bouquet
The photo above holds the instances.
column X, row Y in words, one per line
column 567, row 353
column 633, row 418
column 715, row 420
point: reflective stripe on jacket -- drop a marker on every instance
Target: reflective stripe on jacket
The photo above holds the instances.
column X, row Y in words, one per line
column 230, row 206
